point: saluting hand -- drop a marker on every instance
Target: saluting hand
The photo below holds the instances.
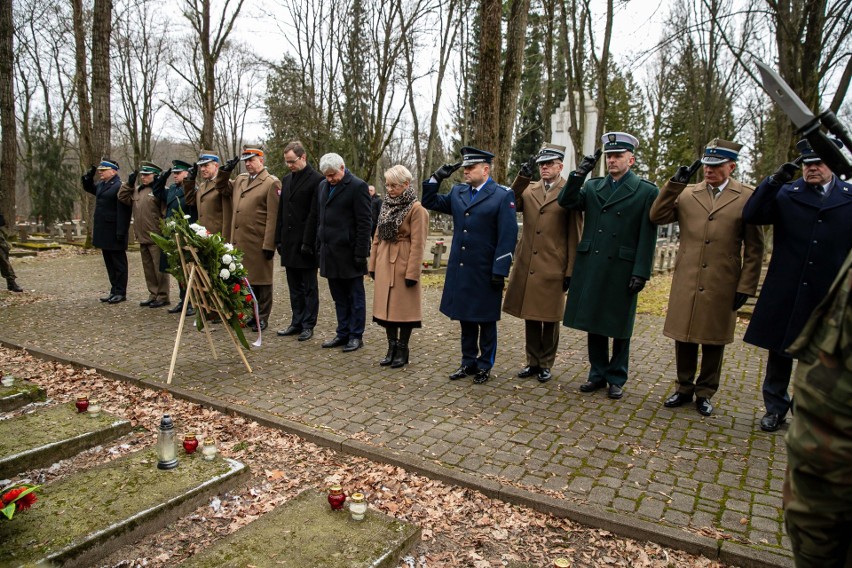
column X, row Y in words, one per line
column 193, row 171
column 131, row 179
column 230, row 164
column 528, row 168
column 685, row 173
column 445, row 171
column 786, row 172
column 161, row 180
column 588, row 164
column 90, row 173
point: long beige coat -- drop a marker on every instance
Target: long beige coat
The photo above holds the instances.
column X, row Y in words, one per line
column 393, row 263
column 545, row 253
column 255, row 205
column 719, row 255
column 147, row 211
column 212, row 198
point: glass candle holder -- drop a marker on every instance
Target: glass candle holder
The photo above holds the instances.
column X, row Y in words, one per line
column 166, row 452
column 190, row 443
column 82, row 403
column 7, row 381
column 357, row 506
column 94, row 409
column 336, row 497
column 208, row 450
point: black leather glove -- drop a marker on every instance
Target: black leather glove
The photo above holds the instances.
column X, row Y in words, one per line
column 409, row 283
column 161, row 180
column 361, row 263
column 739, row 300
column 497, row 282
column 90, row 173
column 445, row 171
column 566, row 283
column 685, row 173
column 131, row 179
column 372, row 275
column 230, row 164
column 786, row 172
column 268, row 254
column 193, row 171
column 588, row 164
column 306, row 250
column 528, row 168
column 636, row 284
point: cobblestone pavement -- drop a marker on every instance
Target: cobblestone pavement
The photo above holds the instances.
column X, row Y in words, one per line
column 717, row 476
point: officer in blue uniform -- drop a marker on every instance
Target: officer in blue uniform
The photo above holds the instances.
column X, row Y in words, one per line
column 485, row 231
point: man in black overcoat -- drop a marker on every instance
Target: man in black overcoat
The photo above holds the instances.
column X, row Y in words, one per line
column 295, row 239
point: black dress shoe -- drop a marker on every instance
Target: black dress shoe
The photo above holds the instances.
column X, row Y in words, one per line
column 306, row 334
column 463, row 372
column 117, row 299
column 262, row 326
column 544, row 375
column 615, row 392
column 336, row 342
column 159, row 303
column 190, row 311
column 146, row 303
column 703, row 405
column 178, row 308
column 771, row 422
column 589, row 386
column 529, row 371
column 482, row 376
column 352, row 345
column 677, row 399
column 290, row 330
column 105, row 298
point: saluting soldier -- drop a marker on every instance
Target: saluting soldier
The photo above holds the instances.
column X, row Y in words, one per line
column 147, row 213
column 255, row 202
column 174, row 200
column 544, row 260
column 211, row 195
column 614, row 258
column 716, row 270
column 485, row 231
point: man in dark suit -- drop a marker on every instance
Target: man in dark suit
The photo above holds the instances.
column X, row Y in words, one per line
column 375, row 209
column 295, row 238
column 811, row 238
column 343, row 246
column 110, row 225
column 6, row 269
column 485, row 232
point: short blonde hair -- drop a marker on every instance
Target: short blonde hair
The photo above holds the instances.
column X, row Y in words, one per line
column 398, row 175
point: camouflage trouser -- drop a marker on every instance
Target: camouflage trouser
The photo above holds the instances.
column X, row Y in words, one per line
column 6, row 270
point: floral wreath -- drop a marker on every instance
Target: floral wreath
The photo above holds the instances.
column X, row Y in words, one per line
column 222, row 262
column 18, row 497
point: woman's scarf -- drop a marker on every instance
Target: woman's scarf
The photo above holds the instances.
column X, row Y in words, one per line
column 394, row 210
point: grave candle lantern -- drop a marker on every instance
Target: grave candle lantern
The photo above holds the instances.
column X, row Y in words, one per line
column 82, row 403
column 358, row 506
column 190, row 443
column 94, row 409
column 336, row 497
column 208, row 450
column 166, row 453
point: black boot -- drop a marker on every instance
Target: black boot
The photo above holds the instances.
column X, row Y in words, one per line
column 13, row 286
column 389, row 358
column 400, row 359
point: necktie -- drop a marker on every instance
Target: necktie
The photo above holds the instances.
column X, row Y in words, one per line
column 714, row 192
column 472, row 193
column 546, row 187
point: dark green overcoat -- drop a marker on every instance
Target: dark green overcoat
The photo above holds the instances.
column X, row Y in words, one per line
column 618, row 242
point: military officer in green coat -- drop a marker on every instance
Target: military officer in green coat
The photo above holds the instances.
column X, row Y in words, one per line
column 614, row 257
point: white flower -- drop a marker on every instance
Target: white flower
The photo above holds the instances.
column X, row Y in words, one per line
column 195, row 227
column 228, row 247
column 186, row 216
column 227, row 259
column 239, row 265
column 232, row 267
column 224, row 274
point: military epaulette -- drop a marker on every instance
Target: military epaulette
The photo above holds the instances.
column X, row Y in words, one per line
column 504, row 187
column 647, row 181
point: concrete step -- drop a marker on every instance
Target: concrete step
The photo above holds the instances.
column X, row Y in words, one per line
column 21, row 393
column 305, row 532
column 86, row 516
column 47, row 435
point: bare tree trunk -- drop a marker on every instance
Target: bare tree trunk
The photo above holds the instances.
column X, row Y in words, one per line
column 84, row 106
column 8, row 151
column 510, row 86
column 101, row 114
column 602, row 65
column 487, row 120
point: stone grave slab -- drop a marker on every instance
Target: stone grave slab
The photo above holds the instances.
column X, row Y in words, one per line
column 47, row 435
column 20, row 394
column 86, row 516
column 306, row 532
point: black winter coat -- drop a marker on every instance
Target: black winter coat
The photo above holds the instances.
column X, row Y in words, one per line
column 112, row 217
column 297, row 218
column 343, row 230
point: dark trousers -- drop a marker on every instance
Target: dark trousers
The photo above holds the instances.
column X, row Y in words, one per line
column 542, row 339
column 779, row 367
column 116, row 265
column 686, row 358
column 304, row 296
column 6, row 269
column 612, row 370
column 350, row 304
column 263, row 296
column 478, row 343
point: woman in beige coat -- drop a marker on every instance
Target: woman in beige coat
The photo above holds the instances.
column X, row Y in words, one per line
column 396, row 259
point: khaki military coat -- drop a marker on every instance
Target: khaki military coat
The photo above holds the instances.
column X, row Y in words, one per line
column 212, row 198
column 719, row 255
column 393, row 262
column 545, row 254
column 147, row 211
column 255, row 204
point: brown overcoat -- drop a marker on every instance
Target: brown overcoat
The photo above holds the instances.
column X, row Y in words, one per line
column 392, row 263
column 545, row 253
column 212, row 198
column 255, row 206
column 147, row 211
column 719, row 255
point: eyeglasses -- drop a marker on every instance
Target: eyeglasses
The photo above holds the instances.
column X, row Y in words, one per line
column 291, row 162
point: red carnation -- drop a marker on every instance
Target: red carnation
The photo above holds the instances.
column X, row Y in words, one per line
column 24, row 503
column 240, row 316
column 236, row 288
column 248, row 298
